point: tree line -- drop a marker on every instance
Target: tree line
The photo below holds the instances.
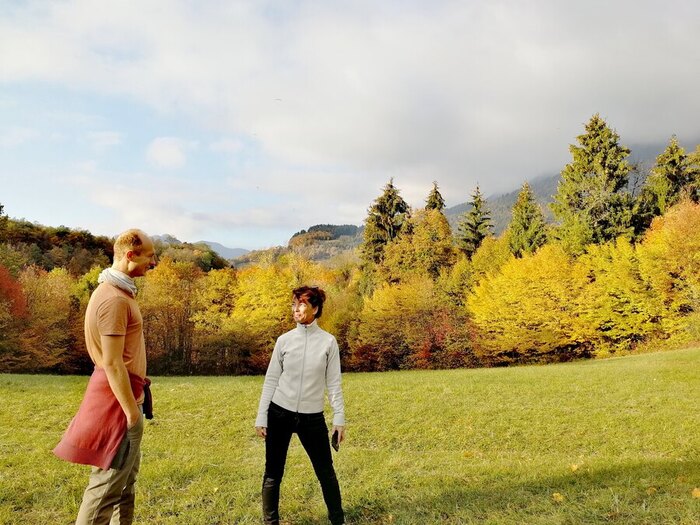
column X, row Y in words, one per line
column 618, row 271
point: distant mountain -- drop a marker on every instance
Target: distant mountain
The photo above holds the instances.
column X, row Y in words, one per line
column 325, row 241
column 321, row 242
column 220, row 249
column 225, row 251
column 501, row 205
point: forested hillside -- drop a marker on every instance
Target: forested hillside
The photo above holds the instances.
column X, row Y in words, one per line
column 616, row 271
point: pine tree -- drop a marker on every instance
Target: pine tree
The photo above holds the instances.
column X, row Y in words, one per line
column 385, row 219
column 474, row 225
column 527, row 230
column 693, row 186
column 592, row 203
column 663, row 188
column 435, row 200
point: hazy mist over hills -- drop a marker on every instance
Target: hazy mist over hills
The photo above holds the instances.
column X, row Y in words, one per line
column 323, row 241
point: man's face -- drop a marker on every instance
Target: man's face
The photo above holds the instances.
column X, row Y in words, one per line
column 303, row 312
column 139, row 264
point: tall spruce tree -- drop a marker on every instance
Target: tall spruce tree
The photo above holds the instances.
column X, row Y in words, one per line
column 693, row 187
column 527, row 230
column 435, row 200
column 671, row 174
column 592, row 203
column 474, row 225
column 385, row 219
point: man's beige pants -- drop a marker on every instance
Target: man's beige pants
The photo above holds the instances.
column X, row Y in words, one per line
column 109, row 496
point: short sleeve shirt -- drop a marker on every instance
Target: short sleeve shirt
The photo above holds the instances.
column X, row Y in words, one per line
column 112, row 311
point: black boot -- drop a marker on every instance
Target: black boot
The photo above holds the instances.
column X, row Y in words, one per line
column 270, row 501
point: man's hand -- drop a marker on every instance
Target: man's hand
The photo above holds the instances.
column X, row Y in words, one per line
column 132, row 419
column 341, row 433
column 261, row 431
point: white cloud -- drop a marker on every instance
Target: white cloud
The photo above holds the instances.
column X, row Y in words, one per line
column 226, row 145
column 103, row 140
column 338, row 97
column 17, row 136
column 168, row 152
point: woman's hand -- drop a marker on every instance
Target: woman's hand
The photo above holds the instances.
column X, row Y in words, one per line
column 341, row 433
column 261, row 431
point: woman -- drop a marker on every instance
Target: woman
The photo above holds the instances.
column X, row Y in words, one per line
column 304, row 363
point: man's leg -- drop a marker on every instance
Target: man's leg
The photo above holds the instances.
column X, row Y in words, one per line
column 124, row 509
column 280, row 426
column 105, row 487
column 313, row 434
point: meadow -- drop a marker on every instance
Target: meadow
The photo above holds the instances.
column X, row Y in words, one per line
column 593, row 442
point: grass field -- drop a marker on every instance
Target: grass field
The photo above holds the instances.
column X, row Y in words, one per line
column 595, row 442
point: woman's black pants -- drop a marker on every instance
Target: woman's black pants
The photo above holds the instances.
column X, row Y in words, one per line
column 313, row 434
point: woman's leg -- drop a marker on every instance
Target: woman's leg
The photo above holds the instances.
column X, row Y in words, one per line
column 313, row 434
column 279, row 433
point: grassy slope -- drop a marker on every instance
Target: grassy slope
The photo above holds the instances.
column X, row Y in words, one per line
column 617, row 439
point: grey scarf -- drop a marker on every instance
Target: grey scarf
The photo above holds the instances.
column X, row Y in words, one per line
column 118, row 279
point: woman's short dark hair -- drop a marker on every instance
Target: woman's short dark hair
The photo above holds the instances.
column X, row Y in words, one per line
column 313, row 294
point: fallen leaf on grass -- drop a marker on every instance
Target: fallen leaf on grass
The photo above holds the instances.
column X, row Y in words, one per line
column 652, row 490
column 574, row 467
column 696, row 492
column 557, row 497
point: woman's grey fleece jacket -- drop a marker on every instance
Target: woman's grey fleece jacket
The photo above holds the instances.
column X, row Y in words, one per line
column 304, row 363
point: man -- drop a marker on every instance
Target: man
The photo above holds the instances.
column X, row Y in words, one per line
column 106, row 432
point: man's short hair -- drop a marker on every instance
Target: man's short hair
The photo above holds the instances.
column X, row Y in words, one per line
column 128, row 240
column 313, row 294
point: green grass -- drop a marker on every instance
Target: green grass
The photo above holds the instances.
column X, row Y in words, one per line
column 618, row 439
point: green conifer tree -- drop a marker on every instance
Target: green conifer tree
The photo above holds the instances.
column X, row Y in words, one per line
column 663, row 188
column 474, row 225
column 435, row 200
column 527, row 230
column 385, row 219
column 592, row 203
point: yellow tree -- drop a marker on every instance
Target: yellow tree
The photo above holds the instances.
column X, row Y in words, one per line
column 262, row 312
column 454, row 283
column 217, row 348
column 617, row 304
column 530, row 309
column 669, row 261
column 50, row 337
column 168, row 304
column 489, row 258
column 424, row 247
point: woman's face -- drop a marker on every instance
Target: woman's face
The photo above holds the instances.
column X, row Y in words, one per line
column 303, row 312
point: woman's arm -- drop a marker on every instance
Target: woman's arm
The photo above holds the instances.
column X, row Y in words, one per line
column 335, row 390
column 272, row 378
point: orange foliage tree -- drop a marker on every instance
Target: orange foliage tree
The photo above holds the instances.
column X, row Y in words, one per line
column 50, row 339
column 405, row 326
column 13, row 310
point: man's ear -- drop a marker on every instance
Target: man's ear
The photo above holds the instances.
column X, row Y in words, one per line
column 129, row 255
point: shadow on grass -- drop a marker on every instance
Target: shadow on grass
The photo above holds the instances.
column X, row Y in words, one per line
column 642, row 493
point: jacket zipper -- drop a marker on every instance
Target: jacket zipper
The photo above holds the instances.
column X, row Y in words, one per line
column 303, row 361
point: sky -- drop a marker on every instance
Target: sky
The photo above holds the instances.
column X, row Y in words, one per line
column 243, row 122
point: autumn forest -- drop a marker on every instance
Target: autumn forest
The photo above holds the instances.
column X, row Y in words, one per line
column 618, row 271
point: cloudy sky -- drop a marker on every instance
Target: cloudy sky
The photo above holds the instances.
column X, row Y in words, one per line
column 243, row 122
